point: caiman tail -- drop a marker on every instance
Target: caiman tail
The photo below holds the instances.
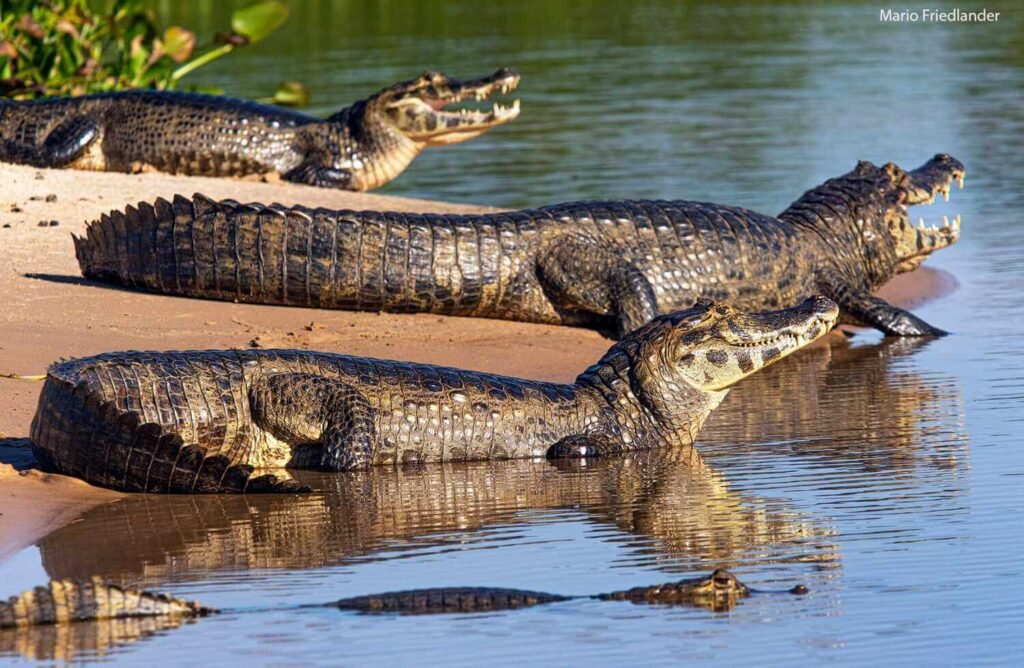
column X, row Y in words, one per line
column 90, row 600
column 355, row 260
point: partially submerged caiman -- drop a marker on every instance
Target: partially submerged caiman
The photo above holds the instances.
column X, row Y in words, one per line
column 363, row 146
column 605, row 264
column 206, row 421
column 62, row 618
column 64, row 601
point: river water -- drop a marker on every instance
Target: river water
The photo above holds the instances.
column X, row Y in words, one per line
column 886, row 475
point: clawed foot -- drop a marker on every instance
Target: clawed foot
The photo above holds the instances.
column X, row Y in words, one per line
column 907, row 324
column 270, row 483
column 573, row 449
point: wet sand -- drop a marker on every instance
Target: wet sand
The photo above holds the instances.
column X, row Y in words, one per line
column 48, row 312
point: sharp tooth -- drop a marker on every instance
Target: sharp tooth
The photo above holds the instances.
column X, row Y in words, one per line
column 920, row 223
column 945, row 221
column 945, row 194
column 956, row 221
column 960, row 181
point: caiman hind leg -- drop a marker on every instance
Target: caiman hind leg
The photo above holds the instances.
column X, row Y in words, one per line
column 303, row 409
column 578, row 446
column 873, row 311
column 578, row 273
column 65, row 144
column 78, row 432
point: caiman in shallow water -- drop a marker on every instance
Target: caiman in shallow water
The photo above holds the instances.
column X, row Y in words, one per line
column 203, row 421
column 604, row 264
column 65, row 601
column 363, row 146
column 58, row 620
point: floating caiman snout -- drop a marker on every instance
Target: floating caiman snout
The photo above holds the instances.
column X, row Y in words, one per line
column 359, row 148
column 204, row 421
column 612, row 265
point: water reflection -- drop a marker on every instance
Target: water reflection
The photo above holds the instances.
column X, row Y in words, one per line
column 667, row 507
column 71, row 642
column 861, row 407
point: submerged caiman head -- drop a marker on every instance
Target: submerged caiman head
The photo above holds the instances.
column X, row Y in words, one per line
column 417, row 108
column 719, row 592
column 872, row 205
column 678, row 367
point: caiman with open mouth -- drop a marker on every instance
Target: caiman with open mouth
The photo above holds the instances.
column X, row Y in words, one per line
column 359, row 148
column 205, row 421
column 611, row 265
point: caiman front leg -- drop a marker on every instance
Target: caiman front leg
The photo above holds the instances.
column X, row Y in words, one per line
column 871, row 310
column 578, row 273
column 65, row 143
column 311, row 173
column 304, row 409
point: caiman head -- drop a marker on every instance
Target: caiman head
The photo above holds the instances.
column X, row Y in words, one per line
column 418, row 108
column 912, row 243
column 663, row 379
column 868, row 210
column 719, row 592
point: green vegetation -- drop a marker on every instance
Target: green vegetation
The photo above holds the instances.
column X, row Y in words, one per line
column 66, row 47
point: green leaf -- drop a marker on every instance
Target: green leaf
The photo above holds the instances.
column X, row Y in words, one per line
column 178, row 43
column 257, row 21
column 292, row 94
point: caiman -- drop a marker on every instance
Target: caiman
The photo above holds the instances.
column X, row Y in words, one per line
column 65, row 601
column 363, row 146
column 204, row 421
column 612, row 265
column 41, row 623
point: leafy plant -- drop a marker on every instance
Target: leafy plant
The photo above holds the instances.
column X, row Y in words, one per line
column 64, row 47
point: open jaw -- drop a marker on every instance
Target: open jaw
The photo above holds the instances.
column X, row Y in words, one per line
column 742, row 343
column 429, row 117
column 921, row 187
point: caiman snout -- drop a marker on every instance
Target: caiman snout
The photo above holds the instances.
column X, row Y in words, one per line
column 914, row 243
column 421, row 109
column 804, row 322
column 713, row 345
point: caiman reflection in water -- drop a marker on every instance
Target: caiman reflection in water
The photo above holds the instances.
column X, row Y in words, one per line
column 68, row 642
column 679, row 508
column 864, row 407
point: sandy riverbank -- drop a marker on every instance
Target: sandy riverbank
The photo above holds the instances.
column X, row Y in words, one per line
column 47, row 313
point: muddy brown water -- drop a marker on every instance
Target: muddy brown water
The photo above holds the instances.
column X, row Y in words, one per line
column 886, row 475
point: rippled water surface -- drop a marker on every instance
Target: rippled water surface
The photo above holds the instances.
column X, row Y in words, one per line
column 886, row 475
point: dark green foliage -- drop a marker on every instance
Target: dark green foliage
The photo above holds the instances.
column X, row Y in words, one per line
column 69, row 47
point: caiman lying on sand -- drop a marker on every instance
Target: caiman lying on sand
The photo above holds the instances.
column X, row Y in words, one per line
column 361, row 147
column 598, row 264
column 65, row 601
column 203, row 421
